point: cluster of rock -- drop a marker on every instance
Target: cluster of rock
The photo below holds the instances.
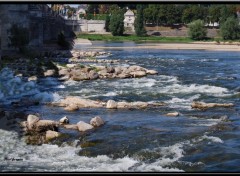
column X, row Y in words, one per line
column 71, row 103
column 203, row 105
column 83, row 54
column 34, row 125
column 79, row 73
column 94, row 60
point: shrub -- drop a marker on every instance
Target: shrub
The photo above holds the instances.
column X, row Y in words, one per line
column 197, row 30
column 230, row 29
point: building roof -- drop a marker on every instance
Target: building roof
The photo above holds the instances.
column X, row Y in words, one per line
column 129, row 13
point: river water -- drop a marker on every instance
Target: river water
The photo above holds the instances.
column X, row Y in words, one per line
column 144, row 140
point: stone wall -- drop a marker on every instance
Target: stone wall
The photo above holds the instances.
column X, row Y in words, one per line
column 42, row 23
column 86, row 25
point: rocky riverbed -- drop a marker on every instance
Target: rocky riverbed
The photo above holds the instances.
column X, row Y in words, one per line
column 178, row 119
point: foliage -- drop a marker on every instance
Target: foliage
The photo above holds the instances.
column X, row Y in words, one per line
column 61, row 40
column 214, row 13
column 226, row 12
column 107, row 23
column 193, row 13
column 116, row 23
column 197, row 30
column 19, row 37
column 230, row 29
column 139, row 22
column 93, row 8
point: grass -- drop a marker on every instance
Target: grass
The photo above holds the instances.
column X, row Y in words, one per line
column 107, row 37
column 153, row 39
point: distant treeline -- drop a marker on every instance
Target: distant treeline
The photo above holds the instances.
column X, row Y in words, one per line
column 170, row 14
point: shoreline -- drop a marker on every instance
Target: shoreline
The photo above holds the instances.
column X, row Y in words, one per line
column 179, row 46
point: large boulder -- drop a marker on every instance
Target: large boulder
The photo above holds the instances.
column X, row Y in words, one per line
column 52, row 135
column 111, row 104
column 80, row 102
column 32, row 120
column 96, row 121
column 44, row 125
column 82, row 126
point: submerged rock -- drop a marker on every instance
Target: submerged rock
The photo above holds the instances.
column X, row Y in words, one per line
column 173, row 114
column 72, row 126
column 202, row 105
column 96, row 121
column 82, row 126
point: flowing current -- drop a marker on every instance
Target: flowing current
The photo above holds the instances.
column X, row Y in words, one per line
column 141, row 140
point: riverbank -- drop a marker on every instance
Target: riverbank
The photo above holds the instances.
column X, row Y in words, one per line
column 181, row 46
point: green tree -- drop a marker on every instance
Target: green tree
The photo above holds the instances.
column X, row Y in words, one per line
column 19, row 37
column 230, row 29
column 197, row 30
column 116, row 23
column 107, row 23
column 194, row 12
column 139, row 22
column 214, row 13
column 226, row 12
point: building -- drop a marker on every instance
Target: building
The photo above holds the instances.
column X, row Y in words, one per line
column 129, row 19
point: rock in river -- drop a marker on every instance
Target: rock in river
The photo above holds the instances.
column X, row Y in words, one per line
column 96, row 121
column 82, row 126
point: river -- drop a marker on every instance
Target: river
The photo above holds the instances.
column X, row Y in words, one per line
column 144, row 140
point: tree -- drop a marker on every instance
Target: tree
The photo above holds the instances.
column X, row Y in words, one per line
column 93, row 8
column 107, row 23
column 194, row 12
column 116, row 23
column 19, row 37
column 197, row 30
column 139, row 22
column 230, row 29
column 214, row 13
column 226, row 12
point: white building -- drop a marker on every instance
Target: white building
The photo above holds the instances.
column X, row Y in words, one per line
column 129, row 19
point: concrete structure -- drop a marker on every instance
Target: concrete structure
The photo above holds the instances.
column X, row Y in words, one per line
column 129, row 19
column 83, row 25
column 41, row 22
